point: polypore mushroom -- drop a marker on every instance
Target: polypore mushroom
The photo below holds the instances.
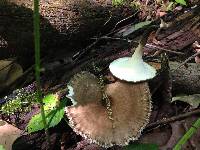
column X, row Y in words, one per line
column 114, row 120
column 133, row 69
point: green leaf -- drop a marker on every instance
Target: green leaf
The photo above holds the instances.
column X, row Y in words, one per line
column 50, row 101
column 183, row 2
column 2, row 148
column 133, row 28
column 141, row 24
column 193, row 100
column 53, row 117
column 141, row 146
column 170, row 6
column 117, row 2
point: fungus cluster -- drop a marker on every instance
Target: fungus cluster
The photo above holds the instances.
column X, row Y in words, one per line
column 116, row 113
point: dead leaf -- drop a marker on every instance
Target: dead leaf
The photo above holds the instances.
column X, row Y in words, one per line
column 156, row 65
column 9, row 72
column 178, row 131
column 84, row 145
column 158, row 136
column 179, row 128
column 192, row 100
column 132, row 28
column 196, row 47
column 8, row 134
column 3, row 42
column 195, row 139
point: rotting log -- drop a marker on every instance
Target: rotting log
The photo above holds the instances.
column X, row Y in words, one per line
column 182, row 30
column 185, row 79
column 66, row 25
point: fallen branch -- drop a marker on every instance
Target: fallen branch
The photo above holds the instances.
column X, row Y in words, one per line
column 154, row 47
column 188, row 59
column 186, row 78
column 165, row 121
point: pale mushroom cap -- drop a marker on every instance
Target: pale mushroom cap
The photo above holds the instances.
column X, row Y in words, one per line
column 132, row 71
column 130, row 105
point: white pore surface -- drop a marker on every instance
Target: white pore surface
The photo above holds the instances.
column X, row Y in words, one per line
column 132, row 70
column 71, row 94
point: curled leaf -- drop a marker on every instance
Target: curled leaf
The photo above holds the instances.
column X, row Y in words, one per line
column 193, row 100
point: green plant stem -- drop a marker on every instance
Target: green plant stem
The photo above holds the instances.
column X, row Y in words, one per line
column 187, row 135
column 36, row 19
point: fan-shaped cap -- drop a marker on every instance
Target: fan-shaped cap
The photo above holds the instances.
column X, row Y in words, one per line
column 130, row 108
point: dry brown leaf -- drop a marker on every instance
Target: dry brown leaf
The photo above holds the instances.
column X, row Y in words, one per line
column 178, row 131
column 196, row 47
column 9, row 72
column 158, row 136
column 195, row 139
column 192, row 100
column 8, row 134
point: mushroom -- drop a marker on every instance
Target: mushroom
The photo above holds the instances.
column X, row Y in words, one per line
column 113, row 116
column 133, row 69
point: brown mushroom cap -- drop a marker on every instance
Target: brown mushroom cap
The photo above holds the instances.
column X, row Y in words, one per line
column 85, row 88
column 130, row 105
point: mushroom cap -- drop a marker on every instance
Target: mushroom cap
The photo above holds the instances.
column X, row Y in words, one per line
column 130, row 105
column 83, row 87
column 132, row 71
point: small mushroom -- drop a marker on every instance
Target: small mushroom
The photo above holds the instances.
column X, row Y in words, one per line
column 133, row 69
column 114, row 118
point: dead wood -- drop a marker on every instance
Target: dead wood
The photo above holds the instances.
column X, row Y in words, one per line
column 186, row 78
column 65, row 24
column 165, row 121
column 181, row 31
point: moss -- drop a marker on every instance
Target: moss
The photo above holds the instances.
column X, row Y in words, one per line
column 20, row 100
column 21, row 104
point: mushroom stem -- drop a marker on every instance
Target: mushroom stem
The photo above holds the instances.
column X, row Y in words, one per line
column 133, row 69
column 138, row 53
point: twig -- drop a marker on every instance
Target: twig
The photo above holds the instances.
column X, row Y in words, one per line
column 124, row 20
column 172, row 119
column 79, row 54
column 150, row 46
column 188, row 59
column 108, row 19
column 162, row 49
column 113, row 38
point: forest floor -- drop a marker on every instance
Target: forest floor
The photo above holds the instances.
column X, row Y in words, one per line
column 173, row 48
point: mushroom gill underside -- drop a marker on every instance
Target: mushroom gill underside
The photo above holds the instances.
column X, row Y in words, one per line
column 116, row 122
